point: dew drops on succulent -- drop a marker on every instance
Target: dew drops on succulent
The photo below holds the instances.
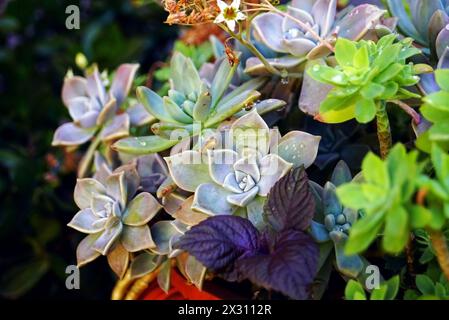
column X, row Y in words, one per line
column 301, row 142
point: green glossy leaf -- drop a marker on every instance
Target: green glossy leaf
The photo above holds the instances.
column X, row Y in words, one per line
column 438, row 100
column 372, row 90
column 363, row 232
column 361, row 58
column 396, row 232
column 365, row 110
column 389, row 73
column 425, row 284
column 345, row 51
column 442, row 78
column 375, row 171
column 354, row 291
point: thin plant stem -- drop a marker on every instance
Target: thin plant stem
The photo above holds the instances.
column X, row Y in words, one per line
column 86, row 161
column 409, row 110
column 383, row 129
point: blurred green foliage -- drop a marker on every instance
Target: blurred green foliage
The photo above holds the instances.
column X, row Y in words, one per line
column 37, row 181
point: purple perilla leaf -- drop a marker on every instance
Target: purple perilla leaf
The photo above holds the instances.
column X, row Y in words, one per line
column 289, row 267
column 218, row 241
column 290, row 203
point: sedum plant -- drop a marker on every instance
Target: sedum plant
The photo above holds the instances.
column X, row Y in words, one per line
column 192, row 105
column 114, row 217
column 384, row 193
column 366, row 76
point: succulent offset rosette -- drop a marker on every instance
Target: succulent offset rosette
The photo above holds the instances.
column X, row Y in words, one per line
column 114, row 217
column 331, row 225
column 238, row 177
column 92, row 108
column 307, row 29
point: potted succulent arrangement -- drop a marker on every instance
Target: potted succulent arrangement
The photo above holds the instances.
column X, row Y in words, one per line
column 299, row 152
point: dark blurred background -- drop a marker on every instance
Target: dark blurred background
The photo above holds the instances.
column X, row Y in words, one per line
column 36, row 180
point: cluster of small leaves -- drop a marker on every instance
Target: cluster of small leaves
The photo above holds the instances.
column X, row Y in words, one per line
column 436, row 110
column 386, row 291
column 429, row 289
column 366, row 72
column 283, row 258
column 438, row 189
column 384, row 194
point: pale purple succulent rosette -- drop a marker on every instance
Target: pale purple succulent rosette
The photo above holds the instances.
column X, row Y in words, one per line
column 92, row 107
column 114, row 218
column 286, row 36
column 226, row 181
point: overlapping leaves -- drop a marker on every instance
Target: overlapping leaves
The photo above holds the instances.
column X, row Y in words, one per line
column 284, row 259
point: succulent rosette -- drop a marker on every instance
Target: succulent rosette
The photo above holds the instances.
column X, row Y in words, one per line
column 194, row 104
column 225, row 181
column 94, row 109
column 332, row 224
column 114, row 217
column 297, row 33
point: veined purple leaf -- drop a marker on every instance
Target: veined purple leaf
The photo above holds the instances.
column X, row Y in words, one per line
column 289, row 268
column 218, row 241
column 290, row 204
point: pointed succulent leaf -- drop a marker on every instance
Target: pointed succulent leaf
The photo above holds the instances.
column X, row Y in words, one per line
column 116, row 128
column 195, row 271
column 143, row 264
column 221, row 164
column 136, row 238
column 123, row 79
column 162, row 232
column 253, row 84
column 143, row 145
column 141, row 210
column 116, row 188
column 164, row 276
column 272, row 168
column 70, row 134
column 108, row 112
column 118, row 260
column 222, row 79
column 107, row 238
column 202, row 106
column 184, row 75
column 212, row 199
column 139, row 116
column 268, row 26
column 362, row 18
column 85, row 252
column 153, row 103
column 341, row 174
column 299, row 148
column 398, row 9
column 85, row 190
column 324, row 13
column 290, row 203
column 73, row 87
column 84, row 221
column 188, row 169
column 227, row 109
column 349, row 265
column 242, row 199
column 187, row 215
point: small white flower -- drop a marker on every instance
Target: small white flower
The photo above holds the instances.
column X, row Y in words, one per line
column 229, row 13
